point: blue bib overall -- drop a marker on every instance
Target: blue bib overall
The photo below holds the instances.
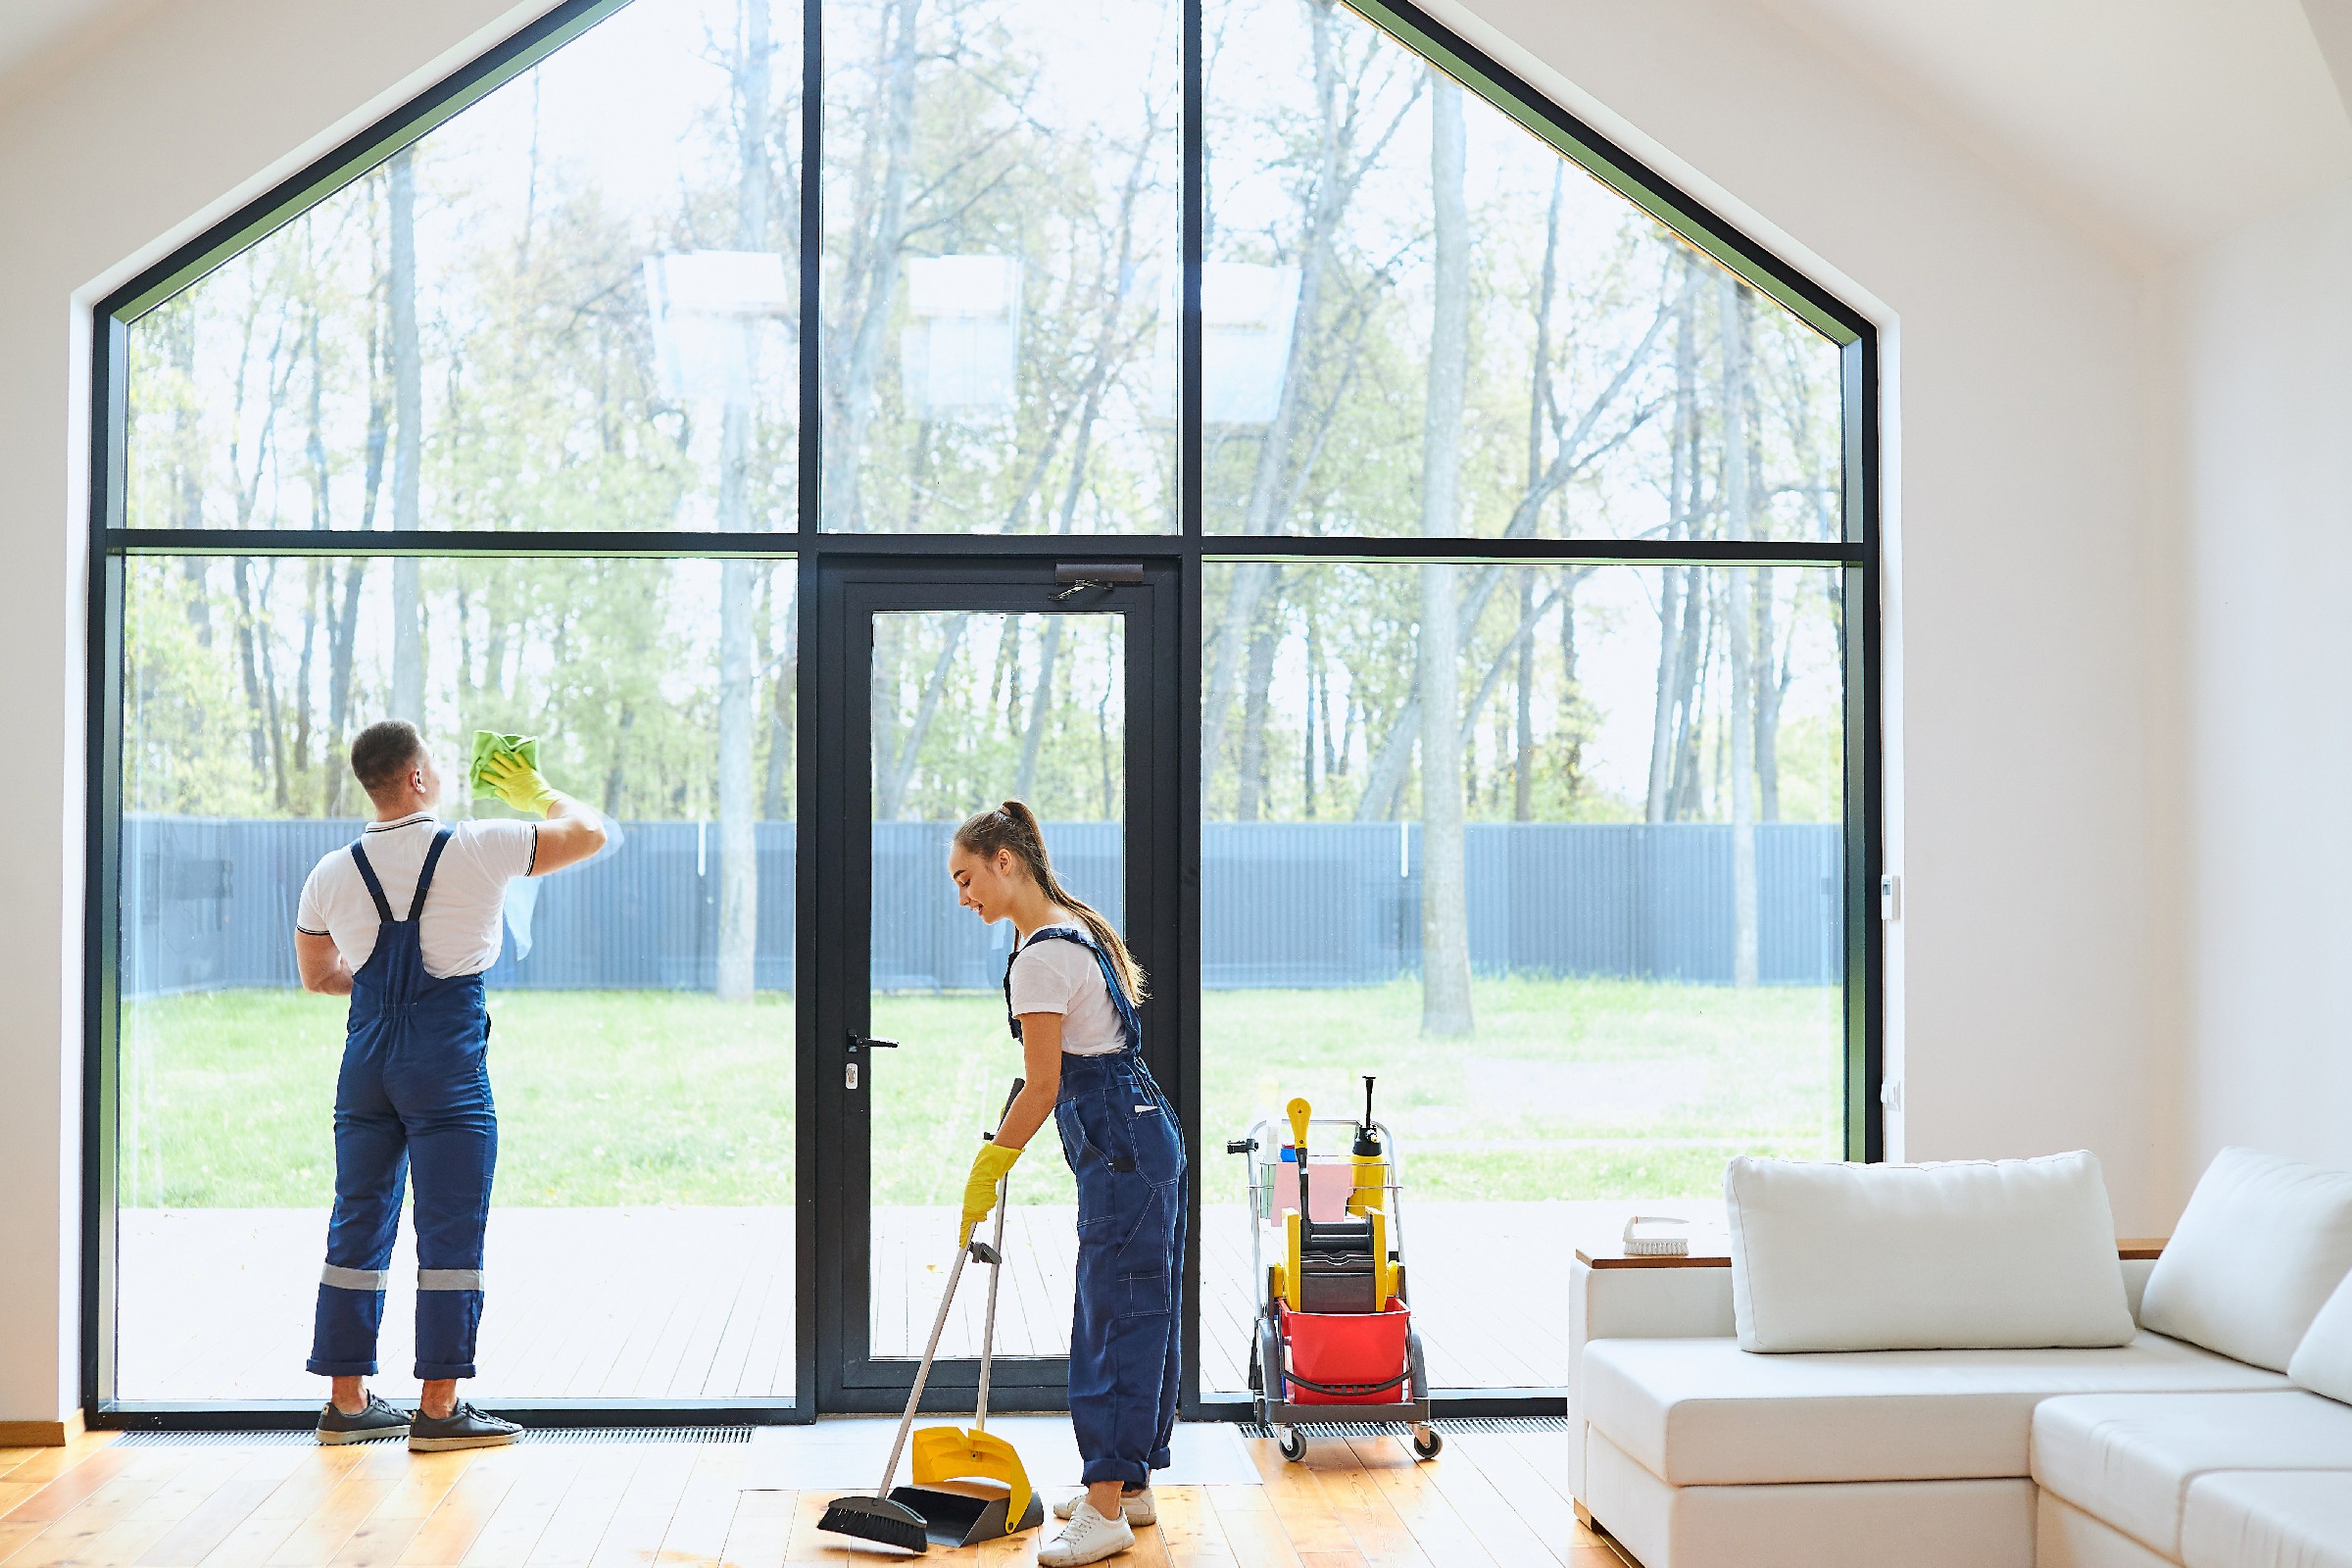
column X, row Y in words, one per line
column 1119, row 1135
column 414, row 1090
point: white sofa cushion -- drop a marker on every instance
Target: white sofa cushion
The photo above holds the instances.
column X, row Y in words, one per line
column 2323, row 1361
column 1706, row 1412
column 2004, row 1253
column 2269, row 1519
column 1880, row 1524
column 2262, row 1245
column 2131, row 1458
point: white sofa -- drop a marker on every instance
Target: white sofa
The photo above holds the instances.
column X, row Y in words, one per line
column 1695, row 1453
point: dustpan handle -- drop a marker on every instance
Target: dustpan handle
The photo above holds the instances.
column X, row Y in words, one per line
column 995, row 1271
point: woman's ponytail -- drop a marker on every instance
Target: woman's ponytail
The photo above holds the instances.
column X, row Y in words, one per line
column 1013, row 826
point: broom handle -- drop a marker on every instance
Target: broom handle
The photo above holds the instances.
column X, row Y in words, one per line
column 923, row 1374
column 995, row 1271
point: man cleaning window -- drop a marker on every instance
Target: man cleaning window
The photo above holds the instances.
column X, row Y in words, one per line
column 404, row 922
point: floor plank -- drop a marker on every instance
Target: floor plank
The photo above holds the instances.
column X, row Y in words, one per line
column 1490, row 1501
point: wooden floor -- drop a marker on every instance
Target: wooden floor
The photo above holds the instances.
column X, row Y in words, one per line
column 671, row 1303
column 1490, row 1501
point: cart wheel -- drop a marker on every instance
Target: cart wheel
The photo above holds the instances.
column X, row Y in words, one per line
column 1292, row 1442
column 1427, row 1440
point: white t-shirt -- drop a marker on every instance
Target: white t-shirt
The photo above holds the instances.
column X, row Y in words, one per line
column 460, row 924
column 1058, row 976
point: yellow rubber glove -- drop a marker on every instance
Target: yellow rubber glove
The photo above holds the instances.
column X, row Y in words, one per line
column 518, row 784
column 980, row 1193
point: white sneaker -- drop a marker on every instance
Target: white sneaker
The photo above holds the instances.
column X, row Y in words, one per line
column 1087, row 1538
column 1140, row 1508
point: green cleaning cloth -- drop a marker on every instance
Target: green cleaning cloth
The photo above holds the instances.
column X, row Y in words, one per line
column 486, row 746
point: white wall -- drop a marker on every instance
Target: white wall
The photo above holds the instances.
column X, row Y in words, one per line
column 2029, row 1012
column 2030, row 1009
column 110, row 155
column 2265, row 336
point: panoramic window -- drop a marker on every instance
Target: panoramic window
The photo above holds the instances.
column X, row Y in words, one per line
column 1565, row 875
column 1419, row 318
column 573, row 306
column 641, row 1053
column 1483, row 528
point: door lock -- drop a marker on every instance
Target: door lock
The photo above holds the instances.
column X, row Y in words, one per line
column 858, row 1042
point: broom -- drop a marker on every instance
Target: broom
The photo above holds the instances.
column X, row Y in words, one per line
column 877, row 1518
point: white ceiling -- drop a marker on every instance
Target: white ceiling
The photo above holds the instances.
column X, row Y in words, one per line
column 31, row 28
column 2159, row 124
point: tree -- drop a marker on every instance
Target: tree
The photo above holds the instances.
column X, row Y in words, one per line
column 738, row 832
column 1445, row 877
column 408, row 456
column 1731, row 307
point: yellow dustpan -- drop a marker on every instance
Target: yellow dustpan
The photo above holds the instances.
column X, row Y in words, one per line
column 953, row 1454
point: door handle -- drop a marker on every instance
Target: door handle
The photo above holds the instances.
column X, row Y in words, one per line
column 850, row 1073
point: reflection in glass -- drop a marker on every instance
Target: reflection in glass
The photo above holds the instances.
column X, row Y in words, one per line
column 640, row 1245
column 970, row 708
column 1593, row 952
column 1000, row 263
column 1417, row 317
column 575, row 305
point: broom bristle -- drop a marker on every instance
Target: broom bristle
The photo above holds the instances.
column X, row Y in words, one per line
column 873, row 1518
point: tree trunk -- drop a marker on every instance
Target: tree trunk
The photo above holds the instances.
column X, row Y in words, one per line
column 890, row 788
column 1250, row 768
column 408, row 452
column 1325, row 200
column 1572, row 716
column 1523, row 765
column 1445, row 885
column 781, row 688
column 869, row 298
column 1682, row 484
column 738, row 833
column 1736, row 500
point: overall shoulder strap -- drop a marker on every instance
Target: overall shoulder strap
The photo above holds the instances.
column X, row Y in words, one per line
column 424, row 877
column 376, row 888
column 1021, row 947
column 1111, row 980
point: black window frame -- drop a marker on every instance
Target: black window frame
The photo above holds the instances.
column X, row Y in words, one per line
column 1855, row 554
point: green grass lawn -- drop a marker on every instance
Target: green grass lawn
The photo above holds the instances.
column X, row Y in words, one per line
column 1569, row 1089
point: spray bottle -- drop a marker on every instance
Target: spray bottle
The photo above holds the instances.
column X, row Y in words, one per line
column 1370, row 1161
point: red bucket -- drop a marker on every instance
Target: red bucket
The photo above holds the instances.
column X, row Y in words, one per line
column 1337, row 1349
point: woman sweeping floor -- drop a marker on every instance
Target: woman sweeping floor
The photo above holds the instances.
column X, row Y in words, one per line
column 1071, row 996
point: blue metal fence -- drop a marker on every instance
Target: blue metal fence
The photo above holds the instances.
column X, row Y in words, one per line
column 207, row 902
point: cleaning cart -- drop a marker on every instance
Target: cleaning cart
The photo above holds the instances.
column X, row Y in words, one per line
column 1333, row 1344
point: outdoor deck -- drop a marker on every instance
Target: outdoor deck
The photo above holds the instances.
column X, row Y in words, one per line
column 696, row 1303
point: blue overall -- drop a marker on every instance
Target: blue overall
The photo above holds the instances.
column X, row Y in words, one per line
column 414, row 1087
column 1119, row 1135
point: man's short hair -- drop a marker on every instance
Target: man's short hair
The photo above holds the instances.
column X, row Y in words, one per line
column 383, row 753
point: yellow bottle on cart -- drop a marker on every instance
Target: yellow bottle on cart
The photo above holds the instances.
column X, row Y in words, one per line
column 1370, row 1161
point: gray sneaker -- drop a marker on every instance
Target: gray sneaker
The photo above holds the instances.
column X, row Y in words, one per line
column 380, row 1419
column 464, row 1428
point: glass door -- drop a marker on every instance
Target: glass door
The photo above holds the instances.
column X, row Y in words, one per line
column 957, row 695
